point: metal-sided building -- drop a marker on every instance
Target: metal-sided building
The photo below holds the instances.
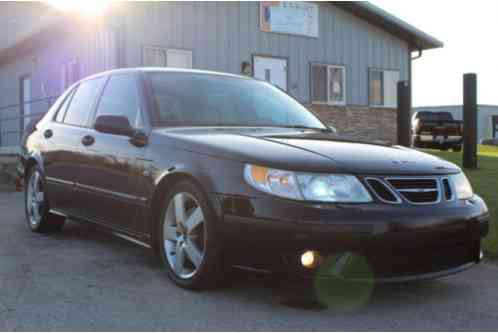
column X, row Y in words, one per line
column 343, row 59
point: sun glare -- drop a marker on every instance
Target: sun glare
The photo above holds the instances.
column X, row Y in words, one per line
column 90, row 8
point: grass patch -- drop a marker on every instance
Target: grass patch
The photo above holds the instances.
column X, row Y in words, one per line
column 485, row 183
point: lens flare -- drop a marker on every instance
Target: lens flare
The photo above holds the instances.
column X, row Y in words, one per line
column 339, row 294
column 88, row 8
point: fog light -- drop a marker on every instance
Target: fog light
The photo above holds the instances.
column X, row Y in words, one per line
column 309, row 259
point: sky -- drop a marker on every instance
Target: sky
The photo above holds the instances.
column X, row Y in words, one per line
column 469, row 31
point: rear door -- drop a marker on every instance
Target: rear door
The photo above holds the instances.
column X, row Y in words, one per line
column 62, row 152
column 107, row 182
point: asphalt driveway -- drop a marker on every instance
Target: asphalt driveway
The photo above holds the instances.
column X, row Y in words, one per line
column 83, row 279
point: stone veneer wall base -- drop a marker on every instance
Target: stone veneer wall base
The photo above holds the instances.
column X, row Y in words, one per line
column 359, row 122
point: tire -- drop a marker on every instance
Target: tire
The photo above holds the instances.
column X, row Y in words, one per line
column 37, row 209
column 457, row 149
column 188, row 239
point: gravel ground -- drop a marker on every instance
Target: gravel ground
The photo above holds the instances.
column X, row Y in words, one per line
column 83, row 279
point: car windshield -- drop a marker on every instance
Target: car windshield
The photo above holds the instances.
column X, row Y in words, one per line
column 198, row 99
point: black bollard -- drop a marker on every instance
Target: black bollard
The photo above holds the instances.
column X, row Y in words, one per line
column 404, row 113
column 470, row 121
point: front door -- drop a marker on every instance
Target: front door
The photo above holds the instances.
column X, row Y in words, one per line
column 61, row 139
column 273, row 70
column 495, row 127
column 107, row 185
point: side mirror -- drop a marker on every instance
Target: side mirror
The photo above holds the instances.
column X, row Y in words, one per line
column 332, row 129
column 114, row 124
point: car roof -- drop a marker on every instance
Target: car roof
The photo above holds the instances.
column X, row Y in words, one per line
column 164, row 70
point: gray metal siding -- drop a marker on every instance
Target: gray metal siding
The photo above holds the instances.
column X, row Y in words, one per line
column 44, row 67
column 224, row 34
column 221, row 35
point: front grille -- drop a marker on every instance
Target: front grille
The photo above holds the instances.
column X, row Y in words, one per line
column 417, row 190
column 414, row 190
column 382, row 191
column 448, row 193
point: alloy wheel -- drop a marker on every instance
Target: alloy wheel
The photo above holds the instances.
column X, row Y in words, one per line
column 184, row 235
column 35, row 199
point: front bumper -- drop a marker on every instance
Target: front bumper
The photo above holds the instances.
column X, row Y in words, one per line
column 388, row 242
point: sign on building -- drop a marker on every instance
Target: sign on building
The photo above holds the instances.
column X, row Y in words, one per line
column 288, row 17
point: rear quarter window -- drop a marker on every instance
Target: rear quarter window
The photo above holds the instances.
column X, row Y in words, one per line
column 82, row 102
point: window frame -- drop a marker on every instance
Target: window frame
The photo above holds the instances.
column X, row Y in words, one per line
column 381, row 70
column 343, row 102
column 165, row 50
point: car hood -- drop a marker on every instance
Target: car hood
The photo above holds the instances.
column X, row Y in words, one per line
column 306, row 151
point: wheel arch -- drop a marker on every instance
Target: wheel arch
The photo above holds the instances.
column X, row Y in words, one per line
column 33, row 159
column 167, row 181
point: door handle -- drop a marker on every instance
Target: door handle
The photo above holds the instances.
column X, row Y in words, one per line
column 88, row 140
column 48, row 134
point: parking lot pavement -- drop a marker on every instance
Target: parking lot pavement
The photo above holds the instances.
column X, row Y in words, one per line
column 83, row 279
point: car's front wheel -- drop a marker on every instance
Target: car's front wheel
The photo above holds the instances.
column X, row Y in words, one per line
column 37, row 209
column 189, row 245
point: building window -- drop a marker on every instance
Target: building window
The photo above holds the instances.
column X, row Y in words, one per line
column 70, row 73
column 328, row 84
column 164, row 57
column 383, row 88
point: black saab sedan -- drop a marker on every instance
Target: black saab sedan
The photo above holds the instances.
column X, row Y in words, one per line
column 215, row 170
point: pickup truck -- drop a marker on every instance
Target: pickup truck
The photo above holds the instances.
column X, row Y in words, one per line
column 436, row 130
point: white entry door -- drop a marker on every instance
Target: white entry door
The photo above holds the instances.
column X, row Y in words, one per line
column 271, row 69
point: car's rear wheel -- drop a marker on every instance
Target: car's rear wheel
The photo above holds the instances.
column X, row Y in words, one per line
column 37, row 209
column 189, row 244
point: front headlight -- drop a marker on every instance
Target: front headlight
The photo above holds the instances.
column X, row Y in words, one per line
column 306, row 186
column 462, row 186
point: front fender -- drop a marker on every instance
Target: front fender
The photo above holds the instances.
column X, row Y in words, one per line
column 26, row 160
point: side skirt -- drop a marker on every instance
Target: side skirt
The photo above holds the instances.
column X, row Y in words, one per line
column 138, row 239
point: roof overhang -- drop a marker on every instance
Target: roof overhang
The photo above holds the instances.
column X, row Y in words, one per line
column 417, row 39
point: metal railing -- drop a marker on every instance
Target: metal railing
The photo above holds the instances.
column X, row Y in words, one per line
column 15, row 117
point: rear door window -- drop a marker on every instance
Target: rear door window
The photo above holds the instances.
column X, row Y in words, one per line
column 62, row 108
column 82, row 102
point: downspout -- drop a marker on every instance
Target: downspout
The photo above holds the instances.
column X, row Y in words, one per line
column 410, row 59
column 418, row 56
